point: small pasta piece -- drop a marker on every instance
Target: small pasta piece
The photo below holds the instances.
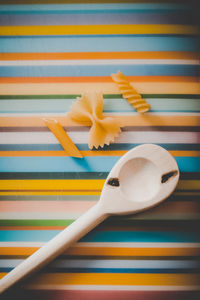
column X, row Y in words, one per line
column 129, row 93
column 89, row 108
column 62, row 137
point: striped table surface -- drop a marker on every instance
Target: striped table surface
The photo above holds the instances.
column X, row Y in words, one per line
column 50, row 53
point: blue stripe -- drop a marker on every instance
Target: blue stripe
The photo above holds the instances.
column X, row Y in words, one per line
column 112, row 270
column 58, row 147
column 104, row 236
column 110, row 105
column 98, row 18
column 85, row 164
column 98, row 70
column 87, row 12
column 97, row 44
column 88, row 7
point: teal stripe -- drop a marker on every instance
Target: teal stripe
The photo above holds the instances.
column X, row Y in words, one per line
column 83, row 8
column 110, row 105
column 103, row 236
column 85, row 164
column 97, row 44
column 99, row 70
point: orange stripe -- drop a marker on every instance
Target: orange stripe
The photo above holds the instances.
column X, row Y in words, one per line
column 108, row 251
column 101, row 55
column 128, row 120
column 86, row 153
column 127, row 279
column 97, row 79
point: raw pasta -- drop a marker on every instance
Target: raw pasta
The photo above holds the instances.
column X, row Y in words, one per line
column 129, row 93
column 62, row 137
column 89, row 108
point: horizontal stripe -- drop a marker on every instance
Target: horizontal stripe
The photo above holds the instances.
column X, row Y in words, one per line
column 97, row 44
column 90, row 19
column 115, row 223
column 175, row 197
column 114, row 245
column 105, row 236
column 113, row 264
column 93, row 193
column 118, row 149
column 90, row 7
column 106, row 251
column 107, row 290
column 115, row 279
column 33, row 216
column 106, row 114
column 191, row 291
column 84, row 153
column 41, row 221
column 131, row 120
column 96, row 29
column 74, row 184
column 99, row 70
column 118, row 292
column 110, row 105
column 118, row 271
column 75, row 207
column 29, row 175
column 86, row 128
column 82, row 137
column 59, row 221
column 87, row 164
column 98, row 62
column 114, row 270
column 101, row 55
column 106, row 88
column 102, row 79
column 31, row 206
column 105, row 96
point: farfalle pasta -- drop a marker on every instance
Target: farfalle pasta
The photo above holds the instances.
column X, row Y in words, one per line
column 89, row 109
column 129, row 93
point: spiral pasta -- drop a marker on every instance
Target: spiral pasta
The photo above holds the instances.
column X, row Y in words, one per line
column 129, row 93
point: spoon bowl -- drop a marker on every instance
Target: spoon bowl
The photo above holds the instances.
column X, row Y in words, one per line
column 143, row 177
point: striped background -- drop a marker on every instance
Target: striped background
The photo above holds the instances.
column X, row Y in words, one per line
column 51, row 52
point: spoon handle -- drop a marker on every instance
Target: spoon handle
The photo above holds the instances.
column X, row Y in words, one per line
column 54, row 247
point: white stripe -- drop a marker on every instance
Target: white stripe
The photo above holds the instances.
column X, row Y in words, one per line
column 114, row 264
column 40, row 215
column 107, row 244
column 112, row 287
column 82, row 137
column 74, row 216
column 99, row 62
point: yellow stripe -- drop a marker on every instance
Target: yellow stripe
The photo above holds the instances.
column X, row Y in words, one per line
column 105, row 88
column 68, row 184
column 110, row 251
column 74, row 184
column 188, row 185
column 116, row 279
column 97, row 29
